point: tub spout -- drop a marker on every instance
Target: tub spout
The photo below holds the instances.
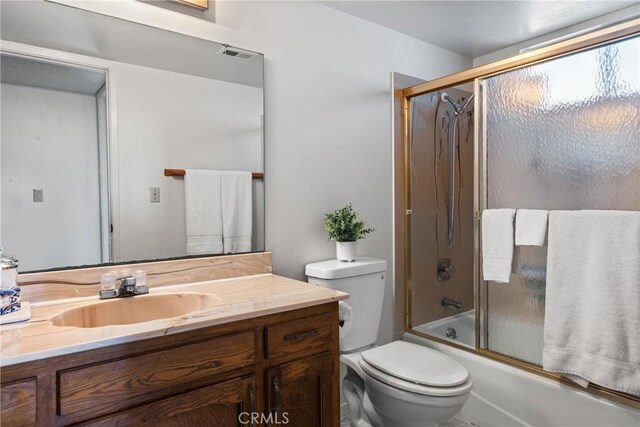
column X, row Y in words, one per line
column 450, row 303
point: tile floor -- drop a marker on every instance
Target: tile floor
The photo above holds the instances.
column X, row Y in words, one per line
column 453, row 422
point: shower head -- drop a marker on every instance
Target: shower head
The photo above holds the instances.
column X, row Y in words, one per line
column 467, row 102
column 457, row 107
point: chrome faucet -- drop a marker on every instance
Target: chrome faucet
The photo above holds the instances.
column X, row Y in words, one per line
column 450, row 303
column 127, row 288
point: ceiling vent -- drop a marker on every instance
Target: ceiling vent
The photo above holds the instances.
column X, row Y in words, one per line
column 234, row 52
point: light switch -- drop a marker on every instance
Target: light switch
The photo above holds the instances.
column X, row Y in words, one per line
column 38, row 195
column 154, row 194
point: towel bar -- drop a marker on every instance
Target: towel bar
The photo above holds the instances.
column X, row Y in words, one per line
column 181, row 172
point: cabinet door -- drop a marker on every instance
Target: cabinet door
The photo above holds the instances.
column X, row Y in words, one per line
column 220, row 405
column 19, row 404
column 300, row 393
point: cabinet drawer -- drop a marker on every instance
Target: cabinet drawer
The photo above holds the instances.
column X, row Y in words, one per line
column 96, row 390
column 219, row 405
column 299, row 337
column 19, row 403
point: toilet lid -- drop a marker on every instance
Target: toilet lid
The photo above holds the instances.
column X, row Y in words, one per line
column 416, row 364
column 394, row 382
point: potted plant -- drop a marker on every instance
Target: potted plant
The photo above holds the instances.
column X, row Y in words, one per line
column 343, row 227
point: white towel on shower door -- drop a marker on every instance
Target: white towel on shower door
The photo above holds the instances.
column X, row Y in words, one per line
column 237, row 220
column 592, row 314
column 531, row 227
column 497, row 244
column 202, row 191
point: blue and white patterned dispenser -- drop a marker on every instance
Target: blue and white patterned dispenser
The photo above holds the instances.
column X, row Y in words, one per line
column 9, row 289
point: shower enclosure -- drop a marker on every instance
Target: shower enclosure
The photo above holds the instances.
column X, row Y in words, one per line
column 554, row 129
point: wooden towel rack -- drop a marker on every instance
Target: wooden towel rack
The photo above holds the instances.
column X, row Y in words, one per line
column 181, row 172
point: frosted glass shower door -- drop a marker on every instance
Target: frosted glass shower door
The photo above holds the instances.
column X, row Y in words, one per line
column 561, row 134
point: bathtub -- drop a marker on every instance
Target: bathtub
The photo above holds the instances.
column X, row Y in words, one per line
column 463, row 324
column 503, row 395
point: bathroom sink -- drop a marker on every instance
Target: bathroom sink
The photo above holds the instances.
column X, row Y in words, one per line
column 138, row 309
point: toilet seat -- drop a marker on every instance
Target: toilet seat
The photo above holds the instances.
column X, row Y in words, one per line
column 400, row 384
column 416, row 369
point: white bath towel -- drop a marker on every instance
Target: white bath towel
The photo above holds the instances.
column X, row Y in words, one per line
column 236, row 212
column 531, row 227
column 497, row 244
column 592, row 314
column 202, row 190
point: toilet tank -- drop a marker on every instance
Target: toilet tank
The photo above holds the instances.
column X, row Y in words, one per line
column 363, row 280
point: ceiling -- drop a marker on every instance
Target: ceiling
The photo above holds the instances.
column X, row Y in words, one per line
column 475, row 28
column 30, row 72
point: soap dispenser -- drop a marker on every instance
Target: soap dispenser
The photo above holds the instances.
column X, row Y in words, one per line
column 9, row 289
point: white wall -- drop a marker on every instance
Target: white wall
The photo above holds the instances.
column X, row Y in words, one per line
column 177, row 121
column 328, row 88
column 328, row 116
column 49, row 141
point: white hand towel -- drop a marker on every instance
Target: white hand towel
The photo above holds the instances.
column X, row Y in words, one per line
column 202, row 190
column 236, row 212
column 497, row 244
column 592, row 319
column 531, row 227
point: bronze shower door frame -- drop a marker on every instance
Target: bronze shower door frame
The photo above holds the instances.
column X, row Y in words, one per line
column 616, row 32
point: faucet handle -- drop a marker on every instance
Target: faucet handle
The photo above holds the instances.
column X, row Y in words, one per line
column 108, row 286
column 445, row 269
column 141, row 282
column 141, row 277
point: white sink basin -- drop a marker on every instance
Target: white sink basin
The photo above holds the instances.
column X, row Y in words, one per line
column 138, row 309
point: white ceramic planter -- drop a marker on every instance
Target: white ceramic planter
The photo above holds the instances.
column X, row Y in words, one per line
column 346, row 251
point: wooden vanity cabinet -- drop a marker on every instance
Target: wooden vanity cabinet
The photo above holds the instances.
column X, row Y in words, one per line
column 283, row 367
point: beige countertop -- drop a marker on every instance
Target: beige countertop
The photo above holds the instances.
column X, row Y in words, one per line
column 235, row 299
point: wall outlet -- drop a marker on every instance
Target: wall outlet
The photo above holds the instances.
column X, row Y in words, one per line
column 154, row 194
column 38, row 195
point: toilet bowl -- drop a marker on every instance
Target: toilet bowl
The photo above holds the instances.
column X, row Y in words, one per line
column 403, row 384
column 395, row 385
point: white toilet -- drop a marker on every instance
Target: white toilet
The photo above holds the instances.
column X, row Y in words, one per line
column 397, row 384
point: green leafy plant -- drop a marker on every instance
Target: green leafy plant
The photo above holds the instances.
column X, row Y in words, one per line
column 343, row 225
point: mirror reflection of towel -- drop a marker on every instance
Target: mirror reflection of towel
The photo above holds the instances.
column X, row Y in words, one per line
column 203, row 194
column 236, row 212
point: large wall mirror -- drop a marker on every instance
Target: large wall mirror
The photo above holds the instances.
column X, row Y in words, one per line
column 100, row 117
